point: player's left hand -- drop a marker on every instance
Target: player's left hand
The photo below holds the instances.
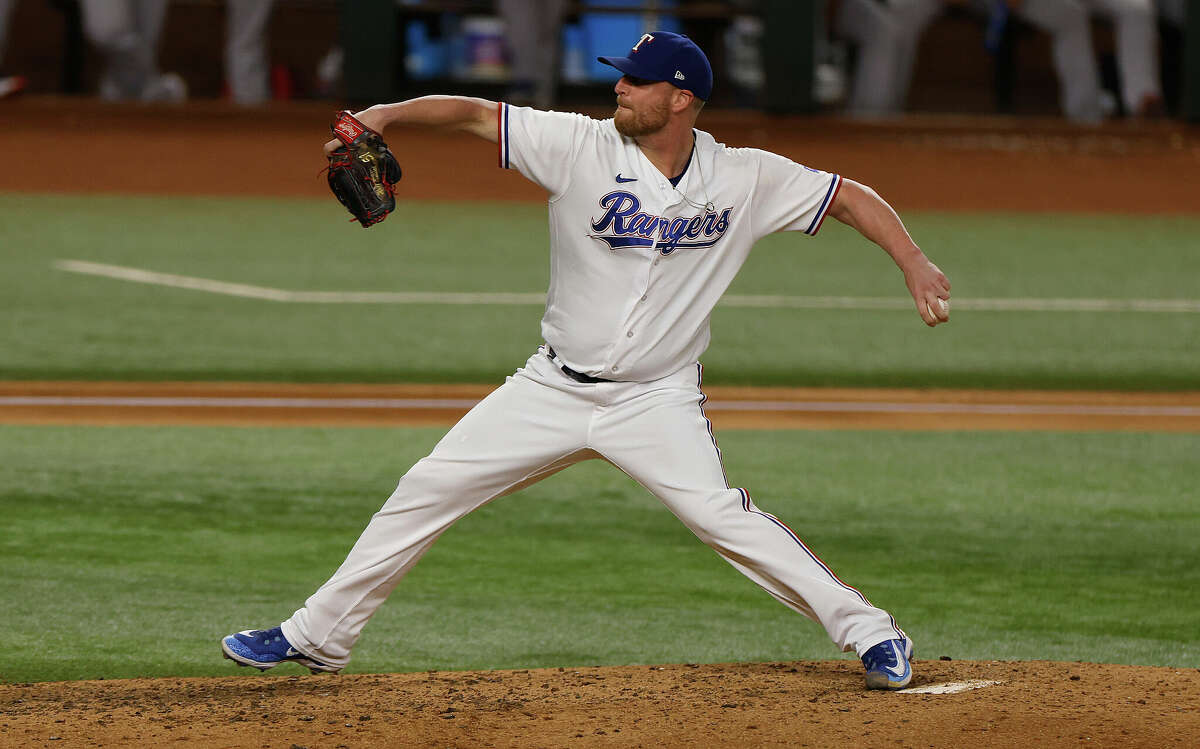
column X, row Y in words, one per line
column 371, row 117
column 930, row 291
column 362, row 172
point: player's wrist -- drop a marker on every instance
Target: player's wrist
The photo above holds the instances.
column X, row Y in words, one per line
column 908, row 256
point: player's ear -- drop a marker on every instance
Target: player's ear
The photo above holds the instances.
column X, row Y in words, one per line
column 683, row 99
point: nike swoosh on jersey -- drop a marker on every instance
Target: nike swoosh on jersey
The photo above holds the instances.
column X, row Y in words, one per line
column 622, row 180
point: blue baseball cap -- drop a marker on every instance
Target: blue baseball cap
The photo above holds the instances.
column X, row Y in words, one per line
column 663, row 56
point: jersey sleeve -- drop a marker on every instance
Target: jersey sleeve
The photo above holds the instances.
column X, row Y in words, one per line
column 791, row 197
column 542, row 146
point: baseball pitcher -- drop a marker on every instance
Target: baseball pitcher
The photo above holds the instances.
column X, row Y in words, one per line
column 650, row 219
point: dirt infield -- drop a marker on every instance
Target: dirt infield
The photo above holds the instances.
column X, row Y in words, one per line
column 822, row 704
column 942, row 164
column 281, row 404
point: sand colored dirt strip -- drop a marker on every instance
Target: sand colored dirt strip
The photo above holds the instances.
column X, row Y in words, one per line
column 276, row 404
column 814, row 704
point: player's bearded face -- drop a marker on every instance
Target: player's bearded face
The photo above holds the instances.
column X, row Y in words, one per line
column 642, row 118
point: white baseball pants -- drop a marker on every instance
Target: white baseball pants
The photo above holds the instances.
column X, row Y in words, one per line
column 127, row 33
column 540, row 422
column 1065, row 20
column 247, row 62
column 1136, row 25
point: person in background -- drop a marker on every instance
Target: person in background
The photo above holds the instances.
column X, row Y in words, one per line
column 533, row 28
column 126, row 32
column 247, row 64
column 10, row 85
column 1136, row 29
column 885, row 51
column 888, row 38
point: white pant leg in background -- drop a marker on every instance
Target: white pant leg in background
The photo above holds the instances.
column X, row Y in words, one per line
column 658, row 434
column 1135, row 24
column 522, row 432
column 877, row 39
column 127, row 33
column 911, row 18
column 247, row 63
column 533, row 29
column 1075, row 63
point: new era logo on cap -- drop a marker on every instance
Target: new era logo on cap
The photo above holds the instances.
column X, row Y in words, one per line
column 679, row 76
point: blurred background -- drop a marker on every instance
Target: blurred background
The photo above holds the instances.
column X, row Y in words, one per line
column 1086, row 60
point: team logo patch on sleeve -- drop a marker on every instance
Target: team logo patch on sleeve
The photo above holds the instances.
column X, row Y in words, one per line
column 624, row 224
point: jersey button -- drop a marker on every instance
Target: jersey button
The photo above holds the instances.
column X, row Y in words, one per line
column 616, row 368
column 629, row 334
column 643, row 298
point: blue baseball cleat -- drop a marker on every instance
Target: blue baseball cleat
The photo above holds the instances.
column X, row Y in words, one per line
column 887, row 664
column 267, row 648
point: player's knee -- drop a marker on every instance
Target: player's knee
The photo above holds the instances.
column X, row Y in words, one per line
column 713, row 519
column 427, row 486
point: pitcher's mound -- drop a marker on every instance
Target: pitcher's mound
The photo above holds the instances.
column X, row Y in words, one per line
column 950, row 704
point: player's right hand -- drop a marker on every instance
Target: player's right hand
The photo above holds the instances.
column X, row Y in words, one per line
column 928, row 285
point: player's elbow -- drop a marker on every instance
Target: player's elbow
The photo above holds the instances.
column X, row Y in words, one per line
column 480, row 117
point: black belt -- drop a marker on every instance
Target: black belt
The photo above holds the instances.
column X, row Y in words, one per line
column 577, row 376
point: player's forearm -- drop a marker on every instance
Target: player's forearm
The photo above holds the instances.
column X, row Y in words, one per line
column 861, row 208
column 443, row 112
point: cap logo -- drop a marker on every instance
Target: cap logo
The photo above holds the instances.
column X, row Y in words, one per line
column 645, row 38
column 679, row 76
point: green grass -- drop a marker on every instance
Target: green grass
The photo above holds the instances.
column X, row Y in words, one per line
column 130, row 551
column 63, row 325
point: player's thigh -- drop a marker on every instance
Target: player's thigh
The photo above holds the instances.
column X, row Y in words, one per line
column 515, row 434
column 664, row 440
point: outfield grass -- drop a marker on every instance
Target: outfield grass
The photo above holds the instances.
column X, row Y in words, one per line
column 130, row 551
column 63, row 325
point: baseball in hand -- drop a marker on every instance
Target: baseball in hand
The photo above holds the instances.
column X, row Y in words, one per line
column 943, row 303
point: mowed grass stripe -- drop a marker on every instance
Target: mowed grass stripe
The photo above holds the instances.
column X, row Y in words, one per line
column 139, row 275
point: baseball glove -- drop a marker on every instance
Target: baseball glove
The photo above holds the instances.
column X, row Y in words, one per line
column 362, row 172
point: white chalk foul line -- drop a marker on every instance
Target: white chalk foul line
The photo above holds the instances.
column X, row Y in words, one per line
column 248, row 291
column 268, row 293
column 950, row 687
column 454, row 404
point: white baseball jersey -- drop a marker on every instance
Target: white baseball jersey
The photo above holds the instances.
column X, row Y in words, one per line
column 637, row 265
